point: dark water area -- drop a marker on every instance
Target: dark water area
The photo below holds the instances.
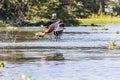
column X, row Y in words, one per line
column 86, row 54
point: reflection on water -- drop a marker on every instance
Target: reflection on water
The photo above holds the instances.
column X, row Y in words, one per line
column 85, row 51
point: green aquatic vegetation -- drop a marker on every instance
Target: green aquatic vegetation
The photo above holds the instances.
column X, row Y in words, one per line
column 103, row 28
column 117, row 32
column 38, row 33
column 2, row 64
column 24, row 77
column 11, row 28
column 113, row 45
column 99, row 28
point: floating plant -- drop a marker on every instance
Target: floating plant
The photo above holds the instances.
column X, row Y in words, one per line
column 2, row 64
column 117, row 32
column 24, row 77
column 99, row 28
column 113, row 45
column 103, row 28
column 11, row 28
column 38, row 33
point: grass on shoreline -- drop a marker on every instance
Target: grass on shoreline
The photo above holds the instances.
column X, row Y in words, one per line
column 85, row 21
column 99, row 21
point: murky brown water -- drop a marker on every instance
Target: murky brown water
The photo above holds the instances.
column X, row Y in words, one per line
column 86, row 54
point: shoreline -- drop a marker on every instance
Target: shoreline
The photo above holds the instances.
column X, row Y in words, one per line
column 76, row 22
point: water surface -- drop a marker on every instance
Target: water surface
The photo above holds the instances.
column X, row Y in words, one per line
column 86, row 54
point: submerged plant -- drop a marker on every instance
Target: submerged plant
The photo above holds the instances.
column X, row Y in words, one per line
column 113, row 45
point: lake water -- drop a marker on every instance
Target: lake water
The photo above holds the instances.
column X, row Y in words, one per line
column 86, row 53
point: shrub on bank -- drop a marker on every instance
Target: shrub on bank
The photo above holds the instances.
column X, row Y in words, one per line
column 2, row 24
